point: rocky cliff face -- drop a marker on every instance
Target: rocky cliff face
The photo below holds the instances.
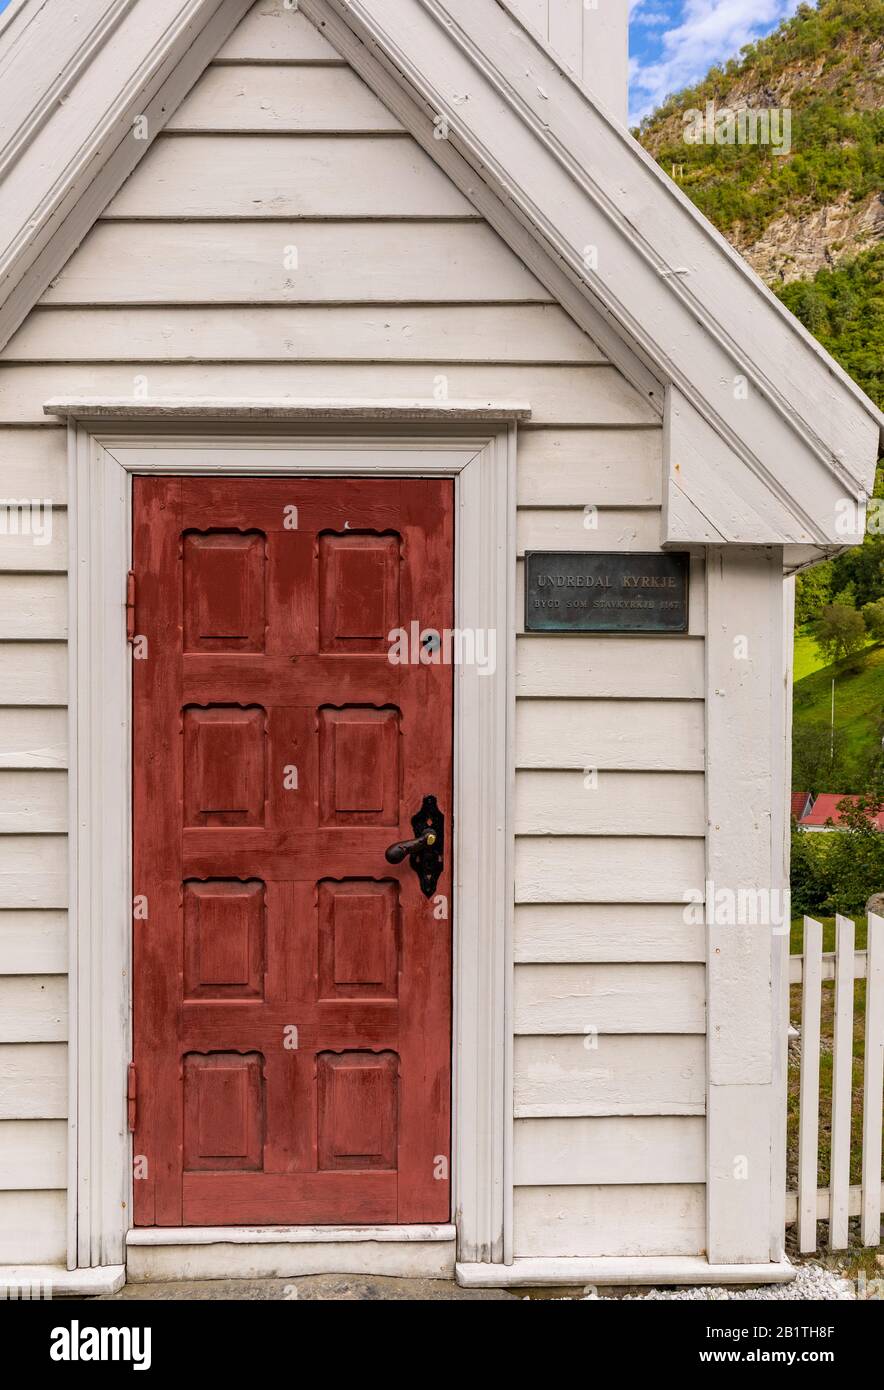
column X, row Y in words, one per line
column 795, row 246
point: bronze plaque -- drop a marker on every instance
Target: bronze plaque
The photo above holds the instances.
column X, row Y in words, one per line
column 590, row 591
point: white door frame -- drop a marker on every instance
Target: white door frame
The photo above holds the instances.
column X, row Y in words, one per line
column 104, row 454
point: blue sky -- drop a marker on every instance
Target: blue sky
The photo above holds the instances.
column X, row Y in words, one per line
column 674, row 42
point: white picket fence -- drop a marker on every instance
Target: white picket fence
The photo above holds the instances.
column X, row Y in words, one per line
column 837, row 1203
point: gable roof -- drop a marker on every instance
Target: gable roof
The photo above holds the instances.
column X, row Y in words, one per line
column 825, row 809
column 767, row 440
column 801, row 804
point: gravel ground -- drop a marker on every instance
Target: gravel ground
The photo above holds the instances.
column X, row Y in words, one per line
column 812, row 1281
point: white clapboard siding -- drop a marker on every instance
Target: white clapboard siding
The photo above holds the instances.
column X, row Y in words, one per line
column 33, row 1008
column 608, row 998
column 33, row 462
column 652, row 1219
column 590, row 468
column 33, row 673
column 601, row 869
column 33, row 536
column 570, row 528
column 33, row 943
column 610, row 1074
column 34, row 801
column 611, row 1150
column 33, row 1081
column 245, row 262
column 33, row 1154
column 32, row 737
column 550, row 932
column 33, row 871
column 33, row 1228
column 342, row 333
column 270, row 32
column 33, row 605
column 328, row 176
column 609, row 803
column 651, row 668
column 559, row 393
column 641, row 735
column 260, row 97
column 696, row 598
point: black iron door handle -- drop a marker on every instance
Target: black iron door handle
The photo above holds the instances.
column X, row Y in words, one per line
column 427, row 850
column 396, row 853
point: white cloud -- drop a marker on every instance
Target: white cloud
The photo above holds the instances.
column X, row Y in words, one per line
column 709, row 32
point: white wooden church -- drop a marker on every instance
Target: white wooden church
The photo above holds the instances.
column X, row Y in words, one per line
column 320, row 321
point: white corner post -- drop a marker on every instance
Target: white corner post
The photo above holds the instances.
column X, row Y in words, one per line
column 747, row 911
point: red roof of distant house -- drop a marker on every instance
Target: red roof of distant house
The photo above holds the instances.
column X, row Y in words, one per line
column 825, row 808
column 799, row 803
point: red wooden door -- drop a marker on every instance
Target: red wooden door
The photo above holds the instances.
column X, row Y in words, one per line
column 292, row 990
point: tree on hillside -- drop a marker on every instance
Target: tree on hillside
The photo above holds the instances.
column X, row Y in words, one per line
column 818, row 762
column 856, row 864
column 813, row 591
column 839, row 631
column 873, row 616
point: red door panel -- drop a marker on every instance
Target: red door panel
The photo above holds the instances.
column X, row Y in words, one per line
column 292, row 990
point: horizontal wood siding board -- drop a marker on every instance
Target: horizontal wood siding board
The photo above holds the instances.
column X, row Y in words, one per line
column 554, row 393
column 334, row 333
column 33, row 1155
column 641, row 735
column 33, row 462
column 584, row 666
column 272, row 33
column 296, row 176
column 329, row 262
column 33, row 673
column 33, row 943
column 33, row 1228
column 608, row 998
column 615, row 1150
column 33, row 606
column 652, row 1219
column 33, row 1008
column 592, row 932
column 250, row 97
column 33, row 874
column 612, row 1074
column 33, row 801
column 590, row 468
column 609, row 803
column 601, row 528
column 33, row 1081
column 33, row 536
column 32, row 737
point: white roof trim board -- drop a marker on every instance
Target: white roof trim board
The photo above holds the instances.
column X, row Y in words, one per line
column 765, row 435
